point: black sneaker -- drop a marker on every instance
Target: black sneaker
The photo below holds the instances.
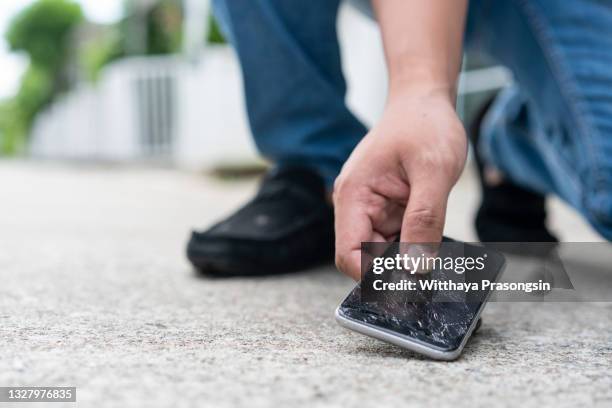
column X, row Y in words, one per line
column 288, row 226
column 508, row 212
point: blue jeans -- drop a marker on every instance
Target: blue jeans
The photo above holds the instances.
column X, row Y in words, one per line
column 551, row 132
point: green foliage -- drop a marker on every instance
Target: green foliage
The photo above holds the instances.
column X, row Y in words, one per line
column 12, row 128
column 41, row 31
column 99, row 53
column 215, row 36
column 163, row 35
column 35, row 92
column 164, row 28
column 156, row 31
column 17, row 114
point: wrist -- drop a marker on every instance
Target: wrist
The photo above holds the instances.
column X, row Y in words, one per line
column 422, row 81
column 431, row 91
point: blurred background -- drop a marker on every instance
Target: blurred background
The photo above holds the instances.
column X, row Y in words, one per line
column 126, row 80
column 153, row 83
column 117, row 119
column 116, row 80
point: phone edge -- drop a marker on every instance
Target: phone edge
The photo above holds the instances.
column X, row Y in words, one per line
column 407, row 343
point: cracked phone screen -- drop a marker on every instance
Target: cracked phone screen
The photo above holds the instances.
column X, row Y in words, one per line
column 439, row 324
column 440, row 319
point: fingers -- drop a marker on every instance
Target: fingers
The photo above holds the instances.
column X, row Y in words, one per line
column 361, row 215
column 353, row 226
column 423, row 219
column 425, row 213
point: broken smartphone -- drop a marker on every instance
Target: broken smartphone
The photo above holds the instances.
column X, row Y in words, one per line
column 433, row 318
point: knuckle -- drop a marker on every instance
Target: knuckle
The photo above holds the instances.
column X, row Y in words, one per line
column 428, row 160
column 440, row 161
column 424, row 218
column 342, row 185
column 433, row 161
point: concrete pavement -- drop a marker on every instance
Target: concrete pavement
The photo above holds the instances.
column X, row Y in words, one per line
column 95, row 292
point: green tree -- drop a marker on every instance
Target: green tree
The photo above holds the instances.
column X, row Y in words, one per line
column 41, row 31
column 12, row 131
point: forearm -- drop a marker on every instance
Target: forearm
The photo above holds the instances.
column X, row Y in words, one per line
column 423, row 43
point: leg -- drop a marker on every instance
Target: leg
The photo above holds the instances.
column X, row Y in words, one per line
column 552, row 133
column 294, row 91
column 293, row 80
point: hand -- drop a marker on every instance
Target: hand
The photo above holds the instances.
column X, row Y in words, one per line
column 399, row 177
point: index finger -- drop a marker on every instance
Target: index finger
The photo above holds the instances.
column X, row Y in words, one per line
column 353, row 226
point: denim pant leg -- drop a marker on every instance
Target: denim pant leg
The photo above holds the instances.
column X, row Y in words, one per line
column 553, row 130
column 293, row 81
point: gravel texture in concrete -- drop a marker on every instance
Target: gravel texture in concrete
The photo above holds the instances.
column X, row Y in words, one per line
column 95, row 292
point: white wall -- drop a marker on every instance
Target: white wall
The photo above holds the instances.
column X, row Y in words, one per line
column 364, row 64
column 212, row 122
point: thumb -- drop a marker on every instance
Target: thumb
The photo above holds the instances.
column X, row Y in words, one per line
column 425, row 213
